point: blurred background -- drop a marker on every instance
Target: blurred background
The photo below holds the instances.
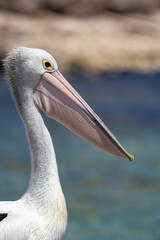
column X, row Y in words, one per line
column 110, row 52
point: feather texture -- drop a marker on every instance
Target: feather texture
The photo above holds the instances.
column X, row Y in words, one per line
column 41, row 212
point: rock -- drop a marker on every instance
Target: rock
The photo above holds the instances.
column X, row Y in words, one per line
column 96, row 44
column 21, row 6
column 80, row 7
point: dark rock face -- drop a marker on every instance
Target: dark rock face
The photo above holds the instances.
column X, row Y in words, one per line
column 21, row 6
column 129, row 6
column 80, row 7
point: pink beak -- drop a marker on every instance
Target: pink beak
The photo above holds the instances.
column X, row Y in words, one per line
column 58, row 99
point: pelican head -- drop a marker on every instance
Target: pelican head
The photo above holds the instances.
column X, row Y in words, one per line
column 33, row 73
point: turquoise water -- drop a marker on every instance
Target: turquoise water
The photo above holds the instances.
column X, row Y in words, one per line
column 107, row 197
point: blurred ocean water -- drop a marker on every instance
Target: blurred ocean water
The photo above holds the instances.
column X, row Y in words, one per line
column 107, row 197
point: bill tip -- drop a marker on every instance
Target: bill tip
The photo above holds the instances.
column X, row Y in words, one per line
column 131, row 158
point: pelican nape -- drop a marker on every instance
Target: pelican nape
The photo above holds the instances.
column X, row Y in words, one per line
column 36, row 84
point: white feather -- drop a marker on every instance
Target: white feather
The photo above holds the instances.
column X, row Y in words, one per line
column 41, row 212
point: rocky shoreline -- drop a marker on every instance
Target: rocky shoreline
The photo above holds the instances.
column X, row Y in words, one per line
column 95, row 44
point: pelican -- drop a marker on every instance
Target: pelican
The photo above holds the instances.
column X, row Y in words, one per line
column 36, row 84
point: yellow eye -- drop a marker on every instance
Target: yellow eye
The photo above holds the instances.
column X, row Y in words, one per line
column 47, row 65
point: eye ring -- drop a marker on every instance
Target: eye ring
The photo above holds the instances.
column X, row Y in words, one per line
column 47, row 65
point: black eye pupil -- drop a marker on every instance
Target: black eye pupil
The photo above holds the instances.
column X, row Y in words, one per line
column 47, row 64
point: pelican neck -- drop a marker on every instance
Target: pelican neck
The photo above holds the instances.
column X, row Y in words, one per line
column 44, row 171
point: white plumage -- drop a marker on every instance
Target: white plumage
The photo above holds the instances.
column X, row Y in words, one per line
column 36, row 83
column 41, row 212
